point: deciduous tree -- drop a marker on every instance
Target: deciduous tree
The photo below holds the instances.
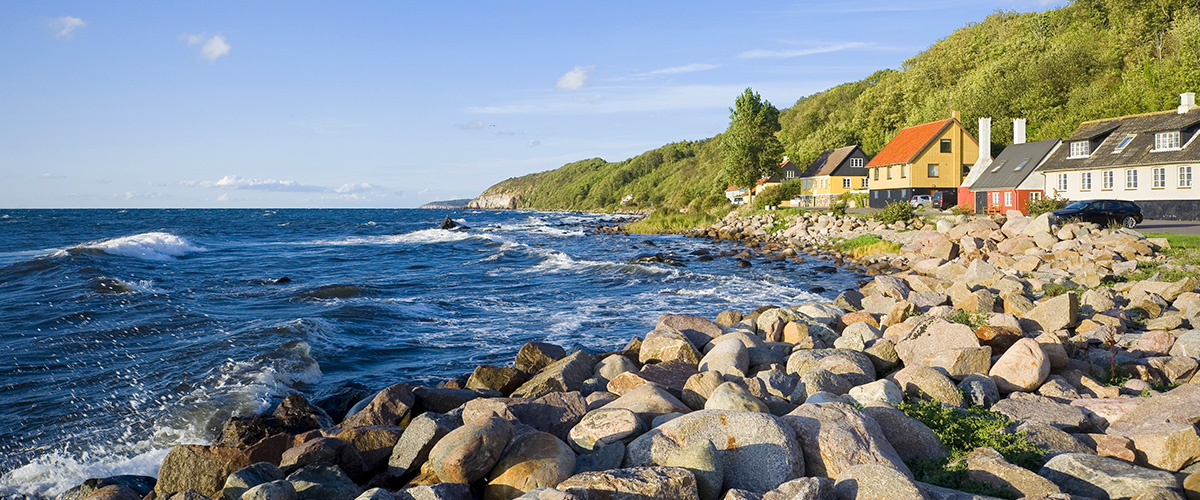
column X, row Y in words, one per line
column 749, row 149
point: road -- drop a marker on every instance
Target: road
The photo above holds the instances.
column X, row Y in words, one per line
column 1147, row 226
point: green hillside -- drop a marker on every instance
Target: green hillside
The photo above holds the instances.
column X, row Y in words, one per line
column 1090, row 59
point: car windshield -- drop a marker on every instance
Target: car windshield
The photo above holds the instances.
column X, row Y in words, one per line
column 1079, row 205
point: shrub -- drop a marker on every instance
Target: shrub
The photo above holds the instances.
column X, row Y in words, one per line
column 973, row 320
column 838, row 208
column 773, row 196
column 857, row 200
column 895, row 211
column 1047, row 204
column 962, row 209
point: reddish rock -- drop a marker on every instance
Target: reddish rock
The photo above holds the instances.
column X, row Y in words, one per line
column 200, row 468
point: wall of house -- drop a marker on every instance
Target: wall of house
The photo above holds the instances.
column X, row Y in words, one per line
column 963, row 150
column 1019, row 200
column 1145, row 190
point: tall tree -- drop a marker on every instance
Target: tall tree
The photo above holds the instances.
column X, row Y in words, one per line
column 749, row 149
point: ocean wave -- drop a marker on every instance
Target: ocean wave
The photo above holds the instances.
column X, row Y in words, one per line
column 115, row 285
column 56, row 472
column 149, row 246
column 424, row 236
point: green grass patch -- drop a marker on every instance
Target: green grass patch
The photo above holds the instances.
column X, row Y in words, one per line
column 859, row 241
column 866, row 244
column 973, row 320
column 1056, row 289
column 668, row 223
column 962, row 430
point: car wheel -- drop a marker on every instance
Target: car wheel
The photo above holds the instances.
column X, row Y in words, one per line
column 1129, row 222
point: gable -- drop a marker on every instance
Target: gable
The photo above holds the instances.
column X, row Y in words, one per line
column 1128, row 141
column 909, row 143
column 1014, row 165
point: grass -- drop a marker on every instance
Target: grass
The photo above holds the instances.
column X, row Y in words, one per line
column 866, row 244
column 962, row 430
column 1056, row 289
column 1183, row 261
column 668, row 223
column 973, row 320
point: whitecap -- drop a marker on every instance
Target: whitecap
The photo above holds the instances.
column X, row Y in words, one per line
column 56, row 472
column 149, row 246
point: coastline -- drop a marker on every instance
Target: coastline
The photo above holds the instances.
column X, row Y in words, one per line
column 584, row 422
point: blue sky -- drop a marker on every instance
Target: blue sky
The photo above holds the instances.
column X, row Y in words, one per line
column 394, row 104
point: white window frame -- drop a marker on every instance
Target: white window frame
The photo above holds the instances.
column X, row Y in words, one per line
column 790, row 174
column 1062, row 182
column 1131, row 180
column 845, row 183
column 856, row 162
column 1080, row 149
column 995, row 197
column 1106, row 179
column 1185, row 176
column 903, row 171
column 1035, row 196
column 1008, row 200
column 1085, row 181
column 1159, row 177
column 865, row 182
column 1167, row 141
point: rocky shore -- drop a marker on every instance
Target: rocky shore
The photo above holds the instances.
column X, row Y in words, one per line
column 1030, row 321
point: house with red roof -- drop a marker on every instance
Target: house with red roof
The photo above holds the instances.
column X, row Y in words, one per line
column 737, row 195
column 922, row 159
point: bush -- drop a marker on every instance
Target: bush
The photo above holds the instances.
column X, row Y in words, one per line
column 1044, row 205
column 895, row 211
column 838, row 208
column 857, row 200
column 773, row 196
column 962, row 209
column 973, row 320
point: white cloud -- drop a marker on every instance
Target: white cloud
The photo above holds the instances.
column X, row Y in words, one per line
column 689, row 68
column 65, row 26
column 787, row 53
column 471, row 125
column 574, row 79
column 350, row 191
column 211, row 48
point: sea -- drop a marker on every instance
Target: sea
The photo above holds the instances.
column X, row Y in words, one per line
column 126, row 332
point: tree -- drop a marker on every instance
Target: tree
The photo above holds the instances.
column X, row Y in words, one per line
column 749, row 149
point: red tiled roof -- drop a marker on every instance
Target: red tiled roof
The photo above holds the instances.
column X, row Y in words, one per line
column 733, row 188
column 909, row 143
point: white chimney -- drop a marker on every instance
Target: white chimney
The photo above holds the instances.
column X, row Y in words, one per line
column 985, row 142
column 1018, row 131
column 1187, row 102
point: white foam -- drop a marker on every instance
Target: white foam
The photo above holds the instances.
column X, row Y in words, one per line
column 149, row 246
column 424, row 236
column 54, row 473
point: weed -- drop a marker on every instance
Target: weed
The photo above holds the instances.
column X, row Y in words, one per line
column 1044, row 205
column 1056, row 289
column 973, row 320
column 838, row 208
column 859, row 241
column 963, row 209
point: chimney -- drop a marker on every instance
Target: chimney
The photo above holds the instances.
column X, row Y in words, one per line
column 985, row 141
column 1018, row 131
column 1187, row 102
column 956, row 114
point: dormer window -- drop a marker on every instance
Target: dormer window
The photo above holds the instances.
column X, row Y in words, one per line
column 1022, row 165
column 1166, row 141
column 856, row 163
column 1124, row 142
column 790, row 174
column 1080, row 149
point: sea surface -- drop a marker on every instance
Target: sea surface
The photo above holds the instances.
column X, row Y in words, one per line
column 126, row 332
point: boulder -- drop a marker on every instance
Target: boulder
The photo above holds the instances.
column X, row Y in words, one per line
column 699, row 387
column 874, row 480
column 535, row 460
column 248, row 477
column 443, row 491
column 961, row 361
column 702, row 460
column 929, row 337
column 856, row 367
column 412, row 449
column 275, row 490
column 389, row 407
column 566, row 374
column 555, row 413
column 880, row 391
column 467, row 453
column 613, row 365
column 324, row 450
column 495, row 378
column 1162, row 428
column 756, row 450
column 728, row 357
column 1023, row 367
column 119, row 486
column 1021, row 407
column 632, row 483
column 698, row 330
column 837, row 437
column 649, row 401
column 1053, row 314
column 986, row 465
column 1187, row 344
column 731, row 396
column 323, row 481
column 534, row 356
column 911, row 438
column 802, row 488
column 295, row 415
column 667, row 345
column 604, row 458
column 671, row 375
column 1100, row 477
column 604, row 426
column 374, row 443
column 200, row 468
column 979, row 390
column 922, row 382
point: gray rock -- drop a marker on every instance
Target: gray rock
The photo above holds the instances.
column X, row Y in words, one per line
column 804, row 488
column 873, row 480
column 855, row 366
column 467, row 453
column 534, row 356
column 702, row 460
column 911, row 438
column 1052, row 440
column 728, row 357
column 880, row 391
column 555, row 413
column 534, row 460
column 324, row 450
column 607, row 457
column 1051, row 315
column 376, row 494
column 613, row 365
column 836, row 437
column 633, row 483
column 323, row 481
column 388, row 407
column 649, row 401
column 662, row 345
column 1163, row 429
column 442, row 491
column 604, row 426
column 546, row 494
column 248, row 477
column 757, row 451
column 274, row 490
column 979, row 390
column 698, row 330
column 731, row 396
column 566, row 374
column 1022, row 407
column 1101, row 477
column 922, row 383
column 1187, row 344
column 986, row 465
column 412, row 449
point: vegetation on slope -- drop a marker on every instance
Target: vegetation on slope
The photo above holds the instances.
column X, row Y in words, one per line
column 1091, row 59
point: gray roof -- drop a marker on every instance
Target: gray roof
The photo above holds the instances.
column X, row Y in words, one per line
column 1105, row 135
column 1013, row 165
column 834, row 162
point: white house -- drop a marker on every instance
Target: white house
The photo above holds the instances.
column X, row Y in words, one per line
column 1148, row 158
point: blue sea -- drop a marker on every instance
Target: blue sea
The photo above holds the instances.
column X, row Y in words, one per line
column 126, row 332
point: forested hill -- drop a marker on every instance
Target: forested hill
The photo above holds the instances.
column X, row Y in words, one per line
column 1091, row 59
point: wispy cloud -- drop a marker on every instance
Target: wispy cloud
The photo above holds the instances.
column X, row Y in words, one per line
column 788, row 53
column 353, row 191
column 211, row 48
column 574, row 79
column 471, row 125
column 689, row 68
column 64, row 27
column 49, row 175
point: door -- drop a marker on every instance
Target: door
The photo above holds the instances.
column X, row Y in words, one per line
column 980, row 202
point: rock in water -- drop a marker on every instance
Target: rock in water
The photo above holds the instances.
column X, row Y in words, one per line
column 449, row 224
column 467, row 453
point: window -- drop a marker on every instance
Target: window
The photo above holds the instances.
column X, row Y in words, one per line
column 1106, row 179
column 1035, row 196
column 1166, row 141
column 1131, row 179
column 1085, row 181
column 846, row 183
column 932, row 170
column 946, row 146
column 997, row 167
column 1185, row 176
column 1008, row 199
column 1062, row 182
column 1080, row 149
column 903, row 171
column 1022, row 165
column 789, row 174
column 856, row 162
column 889, row 173
column 996, row 198
column 1160, row 178
column 876, row 173
column 1124, row 142
column 864, row 182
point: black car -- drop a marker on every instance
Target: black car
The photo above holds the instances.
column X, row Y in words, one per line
column 1103, row 212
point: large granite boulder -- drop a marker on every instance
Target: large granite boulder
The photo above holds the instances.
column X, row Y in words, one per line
column 412, row 449
column 837, row 437
column 988, row 466
column 632, row 483
column 667, row 345
column 566, row 374
column 1023, row 367
column 1163, row 429
column 200, row 468
column 698, row 330
column 534, row 356
column 604, row 426
column 323, row 481
column 389, row 407
column 756, row 450
column 467, row 453
column 649, row 401
column 911, row 438
column 1100, row 477
column 874, row 480
column 1053, row 314
column 535, row 460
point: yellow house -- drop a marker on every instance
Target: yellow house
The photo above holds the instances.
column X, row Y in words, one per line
column 922, row 159
column 834, row 172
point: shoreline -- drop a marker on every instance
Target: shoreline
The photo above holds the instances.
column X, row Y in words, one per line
column 602, row 425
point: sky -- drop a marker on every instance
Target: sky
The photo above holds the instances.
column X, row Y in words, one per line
column 229, row 104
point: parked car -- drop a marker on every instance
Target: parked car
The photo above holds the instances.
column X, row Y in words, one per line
column 943, row 200
column 920, row 200
column 1103, row 212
